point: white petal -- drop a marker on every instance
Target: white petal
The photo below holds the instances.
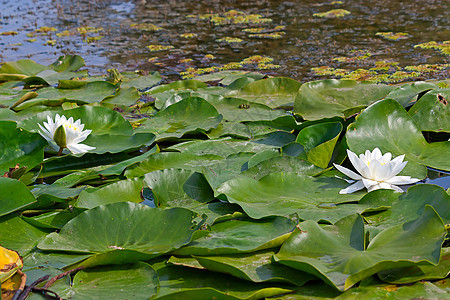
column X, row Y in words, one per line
column 396, row 188
column 386, row 158
column 45, row 134
column 399, row 180
column 369, row 183
column 380, row 172
column 398, row 168
column 352, row 188
column 359, row 165
column 79, row 148
column 348, row 172
column 376, row 154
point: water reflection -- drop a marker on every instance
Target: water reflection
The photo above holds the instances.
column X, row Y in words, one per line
column 308, row 41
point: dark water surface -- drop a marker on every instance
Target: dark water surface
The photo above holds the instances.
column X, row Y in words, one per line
column 307, row 42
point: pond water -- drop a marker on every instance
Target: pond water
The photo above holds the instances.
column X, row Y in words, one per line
column 288, row 32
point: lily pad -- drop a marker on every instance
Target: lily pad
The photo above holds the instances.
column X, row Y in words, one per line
column 187, row 116
column 416, row 273
column 121, row 191
column 179, row 188
column 137, row 281
column 407, row 93
column 272, row 92
column 332, row 97
column 177, row 283
column 318, row 141
column 17, row 234
column 282, row 194
column 234, row 237
column 388, row 126
column 339, row 253
column 14, row 195
column 109, row 230
column 432, row 111
column 256, row 267
column 18, row 146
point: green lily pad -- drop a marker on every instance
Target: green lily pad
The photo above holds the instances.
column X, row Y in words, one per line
column 432, row 111
column 18, row 146
column 272, row 92
column 318, row 141
column 233, row 237
column 256, row 267
column 332, row 97
column 282, row 164
column 123, row 232
column 231, row 129
column 411, row 205
column 89, row 93
column 100, row 120
column 187, row 116
column 121, row 191
column 18, row 235
column 177, row 85
column 169, row 160
column 53, row 219
column 388, row 126
column 14, row 195
column 140, row 82
column 407, row 93
column 137, row 281
column 221, row 147
column 339, row 253
column 123, row 97
column 177, row 283
column 282, row 194
column 416, row 273
column 44, row 259
column 22, row 67
column 241, row 110
column 179, row 188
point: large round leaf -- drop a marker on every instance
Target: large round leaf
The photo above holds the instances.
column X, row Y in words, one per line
column 187, row 116
column 124, row 226
column 406, row 93
column 273, row 92
column 331, row 97
column 18, row 146
column 16, row 234
column 121, row 191
column 100, row 120
column 340, row 256
column 181, row 283
column 318, row 141
column 281, row 194
column 256, row 267
column 416, row 273
column 89, row 93
column 168, row 160
column 241, row 110
column 388, row 126
column 14, row 195
column 179, row 188
column 137, row 281
column 240, row 236
column 432, row 111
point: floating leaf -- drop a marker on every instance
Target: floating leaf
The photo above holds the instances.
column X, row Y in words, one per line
column 282, row 194
column 388, row 126
column 331, row 97
column 432, row 111
column 338, row 253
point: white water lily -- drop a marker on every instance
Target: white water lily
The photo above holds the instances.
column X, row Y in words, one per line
column 376, row 171
column 66, row 133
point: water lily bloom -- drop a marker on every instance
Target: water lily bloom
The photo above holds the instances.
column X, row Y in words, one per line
column 376, row 171
column 66, row 133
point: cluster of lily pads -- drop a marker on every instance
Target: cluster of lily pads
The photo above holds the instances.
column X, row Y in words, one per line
column 218, row 187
